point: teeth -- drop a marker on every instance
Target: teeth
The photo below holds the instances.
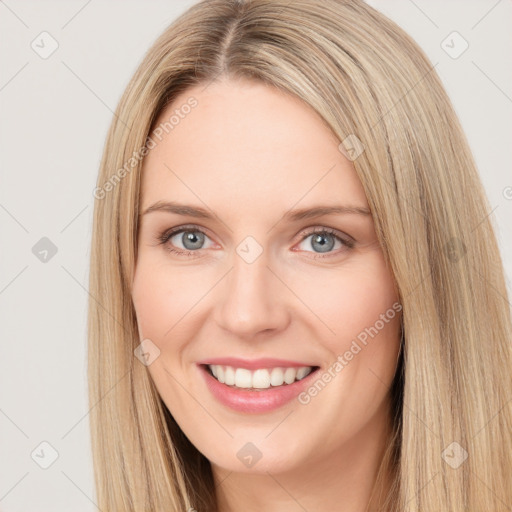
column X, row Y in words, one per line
column 302, row 372
column 243, row 378
column 229, row 376
column 258, row 379
column 277, row 377
column 261, row 379
column 289, row 375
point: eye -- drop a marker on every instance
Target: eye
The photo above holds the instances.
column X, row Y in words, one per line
column 324, row 240
column 191, row 239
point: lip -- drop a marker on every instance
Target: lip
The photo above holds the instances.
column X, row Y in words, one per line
column 254, row 402
column 254, row 364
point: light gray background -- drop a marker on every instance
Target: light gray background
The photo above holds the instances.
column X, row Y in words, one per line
column 55, row 113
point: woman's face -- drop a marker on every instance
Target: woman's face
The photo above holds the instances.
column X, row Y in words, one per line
column 258, row 282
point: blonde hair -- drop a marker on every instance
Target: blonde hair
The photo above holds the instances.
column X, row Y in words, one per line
column 366, row 78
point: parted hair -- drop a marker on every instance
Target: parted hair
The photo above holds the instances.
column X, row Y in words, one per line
column 368, row 79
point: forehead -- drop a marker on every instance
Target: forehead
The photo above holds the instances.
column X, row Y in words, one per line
column 246, row 144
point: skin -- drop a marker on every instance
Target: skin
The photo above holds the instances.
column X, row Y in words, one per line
column 250, row 153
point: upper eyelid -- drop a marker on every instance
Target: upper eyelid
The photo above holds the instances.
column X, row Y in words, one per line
column 187, row 227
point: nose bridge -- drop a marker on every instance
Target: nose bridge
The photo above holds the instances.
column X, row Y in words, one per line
column 249, row 301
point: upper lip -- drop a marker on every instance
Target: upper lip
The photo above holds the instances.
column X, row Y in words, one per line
column 254, row 364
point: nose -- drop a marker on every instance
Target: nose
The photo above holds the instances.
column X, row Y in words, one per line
column 251, row 299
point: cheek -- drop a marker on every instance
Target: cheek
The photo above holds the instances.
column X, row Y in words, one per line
column 161, row 297
column 150, row 298
column 351, row 300
column 360, row 328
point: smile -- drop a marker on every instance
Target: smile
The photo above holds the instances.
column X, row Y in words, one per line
column 262, row 388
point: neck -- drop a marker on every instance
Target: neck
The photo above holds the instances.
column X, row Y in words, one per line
column 348, row 477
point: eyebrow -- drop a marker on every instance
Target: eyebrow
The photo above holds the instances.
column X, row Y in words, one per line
column 292, row 215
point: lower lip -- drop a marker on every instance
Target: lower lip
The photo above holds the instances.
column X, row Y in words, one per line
column 249, row 401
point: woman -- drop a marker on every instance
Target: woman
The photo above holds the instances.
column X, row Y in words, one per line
column 298, row 299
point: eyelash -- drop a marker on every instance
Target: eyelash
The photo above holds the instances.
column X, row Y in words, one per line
column 167, row 235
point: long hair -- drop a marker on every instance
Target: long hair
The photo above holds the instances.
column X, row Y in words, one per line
column 372, row 85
